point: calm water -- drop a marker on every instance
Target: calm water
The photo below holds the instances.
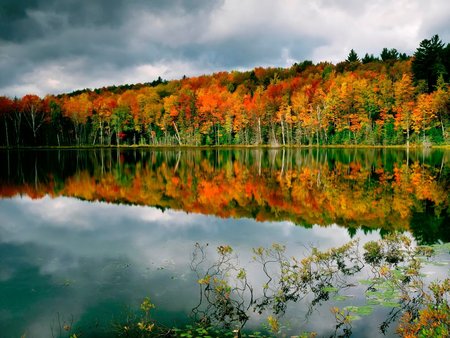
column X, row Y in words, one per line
column 86, row 235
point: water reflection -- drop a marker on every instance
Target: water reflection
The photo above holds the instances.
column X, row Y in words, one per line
column 91, row 260
column 368, row 189
column 392, row 270
column 68, row 256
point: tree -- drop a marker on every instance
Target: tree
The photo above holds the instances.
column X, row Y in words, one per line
column 428, row 64
column 369, row 58
column 171, row 107
column 446, row 61
column 78, row 109
column 34, row 111
column 56, row 117
column 150, row 106
column 404, row 104
column 104, row 106
column 352, row 56
column 423, row 114
column 441, row 103
column 5, row 114
column 129, row 105
column 211, row 105
column 120, row 120
column 389, row 54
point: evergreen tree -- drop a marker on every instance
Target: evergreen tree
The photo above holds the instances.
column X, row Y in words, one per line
column 389, row 54
column 428, row 62
column 352, row 56
column 369, row 58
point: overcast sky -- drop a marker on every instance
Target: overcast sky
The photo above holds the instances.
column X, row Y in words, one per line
column 54, row 46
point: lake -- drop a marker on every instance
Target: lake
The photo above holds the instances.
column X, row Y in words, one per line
column 86, row 235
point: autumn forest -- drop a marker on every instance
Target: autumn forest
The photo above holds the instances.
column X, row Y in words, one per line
column 393, row 99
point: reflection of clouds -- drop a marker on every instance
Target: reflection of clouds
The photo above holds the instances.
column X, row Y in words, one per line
column 89, row 253
column 6, row 273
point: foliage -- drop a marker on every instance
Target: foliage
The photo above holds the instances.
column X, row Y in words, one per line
column 434, row 319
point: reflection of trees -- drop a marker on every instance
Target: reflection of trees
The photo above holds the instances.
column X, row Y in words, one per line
column 371, row 188
column 219, row 301
column 228, row 297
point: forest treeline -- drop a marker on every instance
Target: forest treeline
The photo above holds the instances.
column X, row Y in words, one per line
column 386, row 100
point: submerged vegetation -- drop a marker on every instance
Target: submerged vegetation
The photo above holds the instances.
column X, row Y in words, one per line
column 392, row 101
column 228, row 297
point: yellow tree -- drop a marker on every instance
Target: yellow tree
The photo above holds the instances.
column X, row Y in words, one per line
column 404, row 104
column 104, row 106
column 171, row 108
column 150, row 107
column 441, row 103
column 128, row 104
column 77, row 109
column 341, row 105
column 423, row 114
column 303, row 114
column 211, row 106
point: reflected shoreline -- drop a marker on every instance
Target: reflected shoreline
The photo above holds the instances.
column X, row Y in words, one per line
column 388, row 189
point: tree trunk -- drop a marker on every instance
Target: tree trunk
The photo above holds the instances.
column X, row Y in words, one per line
column 95, row 138
column 101, row 132
column 274, row 139
column 259, row 131
column 218, row 140
column 6, row 132
column 17, row 122
column 407, row 137
column 282, row 131
column 176, row 131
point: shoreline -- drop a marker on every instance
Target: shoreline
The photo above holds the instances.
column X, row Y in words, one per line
column 228, row 146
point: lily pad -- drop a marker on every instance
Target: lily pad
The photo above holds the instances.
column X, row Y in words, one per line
column 330, row 289
column 366, row 281
column 364, row 310
column 341, row 297
column 352, row 318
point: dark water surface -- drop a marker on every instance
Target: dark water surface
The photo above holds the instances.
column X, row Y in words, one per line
column 86, row 235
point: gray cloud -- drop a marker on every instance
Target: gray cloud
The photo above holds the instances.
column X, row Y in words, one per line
column 56, row 46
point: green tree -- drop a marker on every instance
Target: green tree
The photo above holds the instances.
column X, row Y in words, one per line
column 389, row 54
column 369, row 58
column 446, row 62
column 427, row 64
column 352, row 56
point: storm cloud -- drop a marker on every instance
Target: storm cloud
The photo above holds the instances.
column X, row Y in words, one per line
column 51, row 46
